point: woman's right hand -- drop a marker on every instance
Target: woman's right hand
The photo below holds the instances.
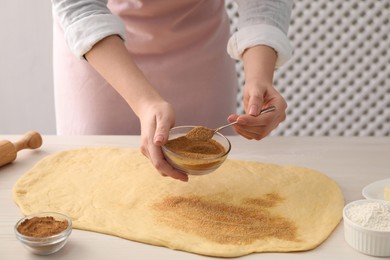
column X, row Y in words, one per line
column 157, row 118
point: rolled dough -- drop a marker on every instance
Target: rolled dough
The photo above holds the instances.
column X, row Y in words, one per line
column 242, row 208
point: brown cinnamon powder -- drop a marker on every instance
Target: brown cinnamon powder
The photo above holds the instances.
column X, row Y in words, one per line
column 194, row 148
column 42, row 226
column 225, row 222
column 200, row 133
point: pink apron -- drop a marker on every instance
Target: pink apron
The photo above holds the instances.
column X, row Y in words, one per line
column 181, row 48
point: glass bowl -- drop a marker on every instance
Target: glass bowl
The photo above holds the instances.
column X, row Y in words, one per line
column 195, row 166
column 45, row 245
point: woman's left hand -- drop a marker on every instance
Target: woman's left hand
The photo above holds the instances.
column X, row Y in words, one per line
column 253, row 125
column 259, row 93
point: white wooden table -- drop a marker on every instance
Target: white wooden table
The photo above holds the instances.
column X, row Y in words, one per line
column 353, row 162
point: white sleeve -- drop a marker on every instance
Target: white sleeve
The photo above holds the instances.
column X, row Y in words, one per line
column 86, row 22
column 262, row 22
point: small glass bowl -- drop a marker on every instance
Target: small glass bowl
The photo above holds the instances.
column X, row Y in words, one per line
column 195, row 166
column 367, row 241
column 45, row 245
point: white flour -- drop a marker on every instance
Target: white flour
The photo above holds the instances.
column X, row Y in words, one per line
column 373, row 215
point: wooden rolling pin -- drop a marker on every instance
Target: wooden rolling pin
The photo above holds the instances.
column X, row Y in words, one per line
column 8, row 150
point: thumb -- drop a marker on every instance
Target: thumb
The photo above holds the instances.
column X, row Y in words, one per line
column 162, row 133
column 255, row 103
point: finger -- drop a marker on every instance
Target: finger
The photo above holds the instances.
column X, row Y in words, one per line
column 144, row 147
column 256, row 127
column 162, row 130
column 166, row 170
column 255, row 103
column 171, row 172
column 261, row 120
column 232, row 118
column 242, row 132
column 163, row 167
column 257, row 133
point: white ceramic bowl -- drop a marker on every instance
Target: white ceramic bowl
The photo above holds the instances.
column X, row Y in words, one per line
column 45, row 245
column 192, row 166
column 365, row 240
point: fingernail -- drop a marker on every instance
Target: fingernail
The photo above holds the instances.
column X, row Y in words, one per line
column 158, row 139
column 253, row 110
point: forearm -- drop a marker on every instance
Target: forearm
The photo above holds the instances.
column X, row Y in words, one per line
column 259, row 65
column 262, row 22
column 114, row 63
column 259, row 93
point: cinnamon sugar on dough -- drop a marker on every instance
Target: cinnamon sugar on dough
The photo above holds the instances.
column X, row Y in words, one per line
column 235, row 224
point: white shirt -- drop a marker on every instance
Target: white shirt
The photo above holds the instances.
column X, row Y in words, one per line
column 261, row 22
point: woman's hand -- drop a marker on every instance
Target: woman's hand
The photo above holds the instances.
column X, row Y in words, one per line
column 111, row 59
column 259, row 93
column 252, row 125
column 157, row 118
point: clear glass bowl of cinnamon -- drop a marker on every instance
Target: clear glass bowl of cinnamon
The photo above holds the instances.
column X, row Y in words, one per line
column 44, row 233
column 195, row 156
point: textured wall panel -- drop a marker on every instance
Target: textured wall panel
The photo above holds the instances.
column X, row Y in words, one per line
column 338, row 80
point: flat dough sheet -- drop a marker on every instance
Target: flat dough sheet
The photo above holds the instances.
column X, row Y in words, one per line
column 242, row 208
